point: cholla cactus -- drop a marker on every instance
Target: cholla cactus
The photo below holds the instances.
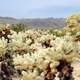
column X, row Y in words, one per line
column 74, row 21
column 38, row 54
column 3, row 46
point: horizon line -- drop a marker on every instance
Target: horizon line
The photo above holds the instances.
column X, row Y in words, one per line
column 32, row 17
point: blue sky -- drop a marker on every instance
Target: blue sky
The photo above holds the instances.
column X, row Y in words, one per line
column 39, row 8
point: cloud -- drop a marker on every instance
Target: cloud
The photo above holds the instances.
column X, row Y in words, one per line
column 37, row 4
column 38, row 8
column 54, row 11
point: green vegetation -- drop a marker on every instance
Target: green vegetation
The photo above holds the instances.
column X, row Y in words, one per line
column 18, row 27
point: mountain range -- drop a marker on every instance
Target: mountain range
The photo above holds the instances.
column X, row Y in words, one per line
column 37, row 22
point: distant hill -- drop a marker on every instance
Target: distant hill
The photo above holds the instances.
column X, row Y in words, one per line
column 9, row 20
column 38, row 22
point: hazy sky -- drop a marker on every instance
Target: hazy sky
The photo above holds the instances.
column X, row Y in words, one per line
column 38, row 8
